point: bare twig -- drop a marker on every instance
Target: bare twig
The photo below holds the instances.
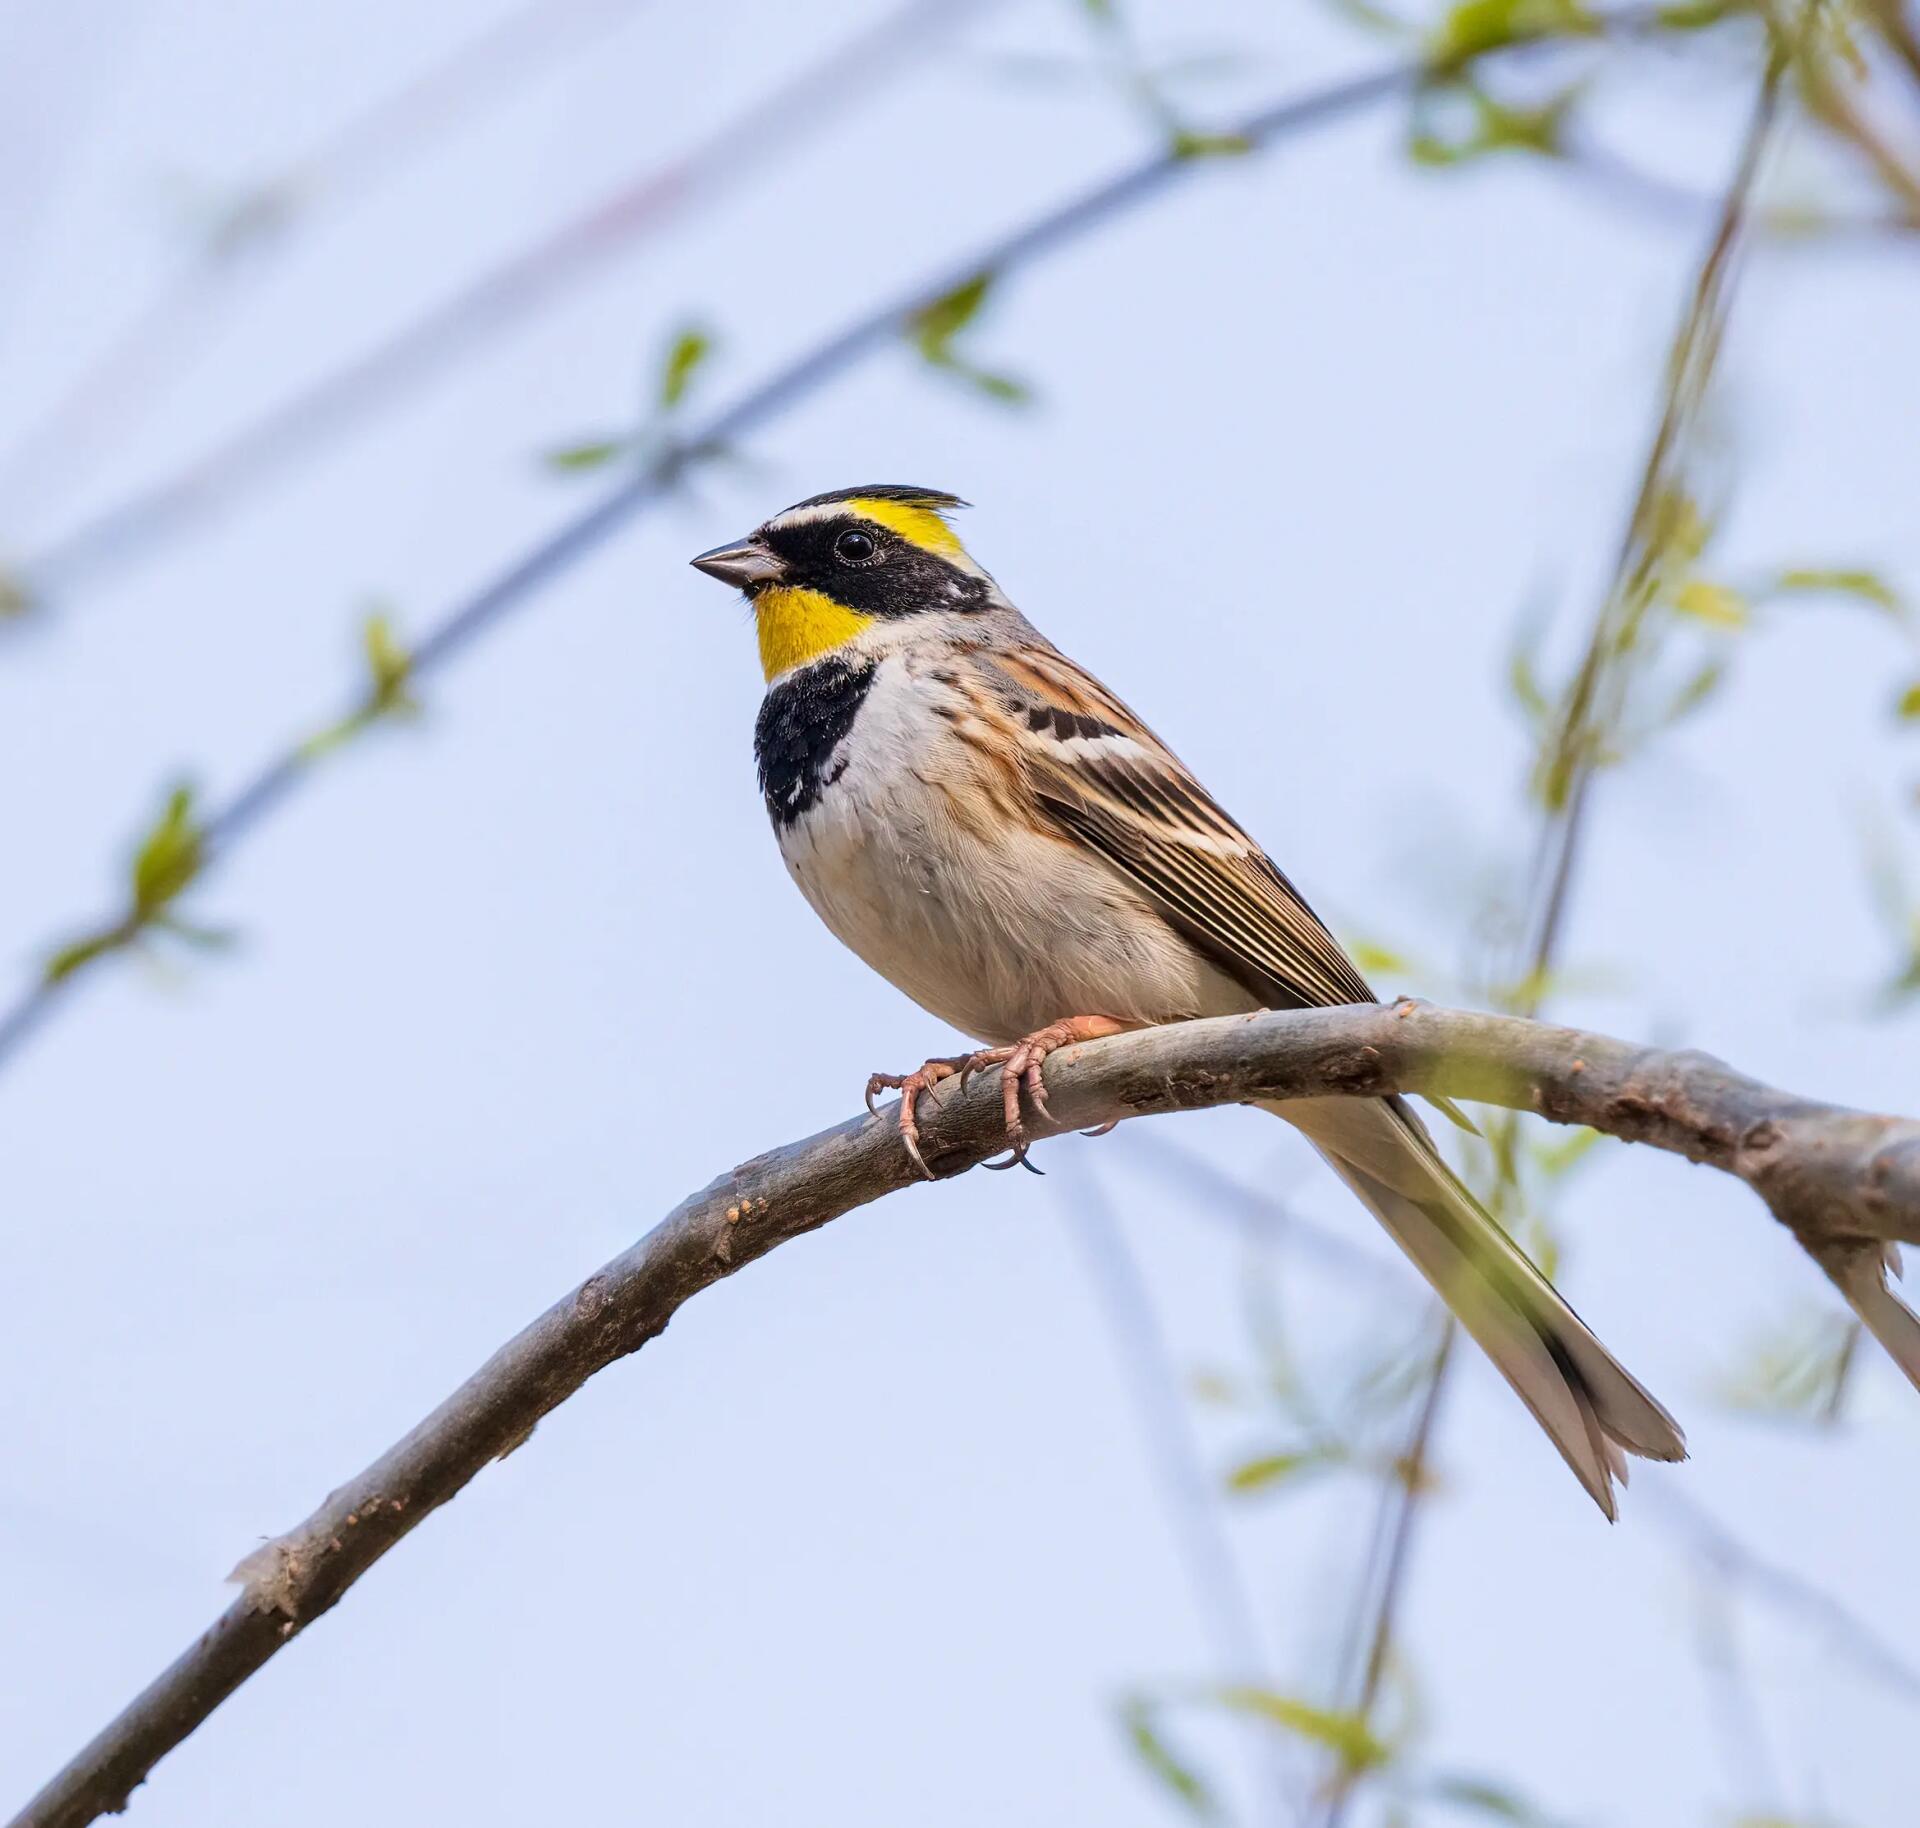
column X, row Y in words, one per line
column 768, row 130
column 374, row 144
column 478, row 615
column 1839, row 1178
column 1220, row 1595
column 1593, row 707
column 1790, row 1591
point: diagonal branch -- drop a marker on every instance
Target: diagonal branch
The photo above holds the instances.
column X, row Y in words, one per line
column 1842, row 1180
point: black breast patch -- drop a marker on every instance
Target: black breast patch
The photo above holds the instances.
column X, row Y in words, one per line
column 802, row 721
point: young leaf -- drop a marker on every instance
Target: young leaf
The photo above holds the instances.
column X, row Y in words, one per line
column 1179, row 1777
column 1258, row 1475
column 1907, row 705
column 1341, row 1732
column 933, row 327
column 1485, row 1798
column 592, row 454
column 168, row 857
column 389, row 664
column 1475, row 26
column 688, row 351
column 1867, row 586
column 1713, row 604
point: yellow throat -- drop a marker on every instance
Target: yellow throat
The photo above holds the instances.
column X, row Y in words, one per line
column 796, row 626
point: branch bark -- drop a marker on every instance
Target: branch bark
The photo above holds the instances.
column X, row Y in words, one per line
column 1845, row 1182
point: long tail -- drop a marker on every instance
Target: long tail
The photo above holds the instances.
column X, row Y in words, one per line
column 1590, row 1407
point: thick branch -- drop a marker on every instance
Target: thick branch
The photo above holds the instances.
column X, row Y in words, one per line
column 1844, row 1181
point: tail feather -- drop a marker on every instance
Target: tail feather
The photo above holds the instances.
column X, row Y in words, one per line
column 1588, row 1404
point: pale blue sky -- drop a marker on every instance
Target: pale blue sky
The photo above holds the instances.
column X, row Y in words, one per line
column 871, row 1535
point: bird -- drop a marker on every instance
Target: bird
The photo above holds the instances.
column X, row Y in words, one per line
column 992, row 830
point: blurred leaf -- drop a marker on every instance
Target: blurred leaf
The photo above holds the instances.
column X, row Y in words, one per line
column 593, row 454
column 1907, row 706
column 1174, row 1773
column 1187, row 144
column 1268, row 1470
column 1341, row 1732
column 77, row 954
column 168, row 857
column 933, row 327
column 16, row 600
column 1868, row 586
column 1523, row 681
column 1713, row 604
column 1483, row 1797
column 1377, row 960
column 1694, row 692
column 1457, row 121
column 1565, row 1150
column 1699, row 15
column 1474, row 26
column 1373, row 18
column 1215, row 1388
column 1797, row 1372
column 688, row 351
column 390, row 665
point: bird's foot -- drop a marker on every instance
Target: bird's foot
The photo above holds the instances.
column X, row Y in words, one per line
column 910, row 1086
column 1019, row 1071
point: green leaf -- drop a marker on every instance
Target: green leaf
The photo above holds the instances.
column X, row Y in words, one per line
column 934, row 326
column 1907, row 705
column 1559, row 1154
column 1179, row 1777
column 1341, row 1732
column 1458, row 120
column 1867, row 586
column 1695, row 691
column 78, row 954
column 688, row 351
column 1187, row 144
column 1713, row 604
column 1484, row 1797
column 1376, row 960
column 1472, row 27
column 389, row 663
column 169, row 856
column 592, row 454
column 1257, row 1475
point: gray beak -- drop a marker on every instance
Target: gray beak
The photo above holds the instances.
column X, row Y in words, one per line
column 746, row 565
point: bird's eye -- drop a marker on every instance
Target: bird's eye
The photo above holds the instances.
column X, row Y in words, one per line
column 854, row 547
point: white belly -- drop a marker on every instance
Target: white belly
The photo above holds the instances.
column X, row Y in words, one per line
column 997, row 931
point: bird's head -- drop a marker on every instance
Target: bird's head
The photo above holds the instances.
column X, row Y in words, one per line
column 823, row 572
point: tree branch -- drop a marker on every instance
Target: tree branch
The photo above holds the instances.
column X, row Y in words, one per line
column 1845, row 1182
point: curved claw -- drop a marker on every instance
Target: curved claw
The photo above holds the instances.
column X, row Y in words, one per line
column 911, row 1141
column 1112, row 1123
column 1036, row 1089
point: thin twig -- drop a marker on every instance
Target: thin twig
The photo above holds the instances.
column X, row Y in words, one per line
column 1594, row 706
column 765, row 132
column 1790, row 1591
column 512, row 589
column 1838, row 1177
column 372, row 146
column 1219, row 1588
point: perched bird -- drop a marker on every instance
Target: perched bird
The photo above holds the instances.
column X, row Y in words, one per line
column 988, row 827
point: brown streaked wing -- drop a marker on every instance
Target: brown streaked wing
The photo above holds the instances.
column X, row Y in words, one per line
column 1136, row 805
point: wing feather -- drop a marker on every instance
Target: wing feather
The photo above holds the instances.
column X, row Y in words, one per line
column 1104, row 779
